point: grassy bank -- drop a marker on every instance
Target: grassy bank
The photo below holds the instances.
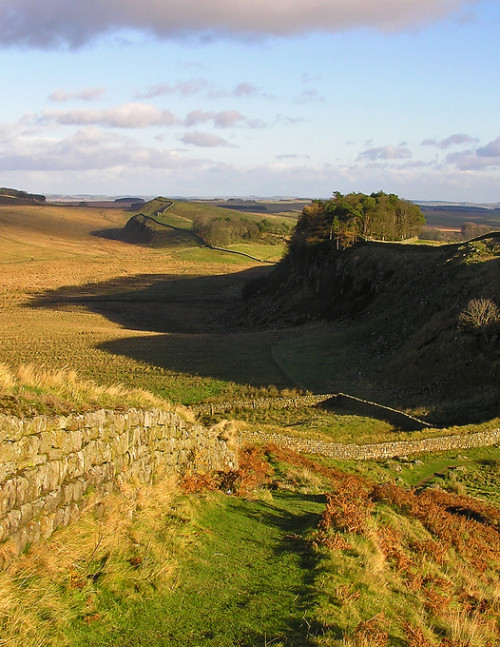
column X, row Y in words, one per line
column 301, row 553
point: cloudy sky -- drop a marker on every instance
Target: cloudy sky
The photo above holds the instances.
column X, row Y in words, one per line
column 241, row 97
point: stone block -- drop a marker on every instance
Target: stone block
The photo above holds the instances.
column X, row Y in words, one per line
column 11, row 428
column 4, row 529
column 47, row 525
column 26, row 511
column 35, row 426
column 51, row 501
column 7, row 496
column 13, row 519
column 7, row 470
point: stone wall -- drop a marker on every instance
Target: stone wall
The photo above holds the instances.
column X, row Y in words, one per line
column 48, row 464
column 299, row 401
column 377, row 451
column 351, row 404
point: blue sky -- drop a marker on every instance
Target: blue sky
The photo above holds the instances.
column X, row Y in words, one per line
column 223, row 98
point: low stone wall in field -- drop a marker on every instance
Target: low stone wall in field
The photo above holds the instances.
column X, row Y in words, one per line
column 48, row 464
column 299, row 401
column 349, row 403
column 376, row 451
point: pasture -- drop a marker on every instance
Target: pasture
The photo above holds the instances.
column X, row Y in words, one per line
column 121, row 313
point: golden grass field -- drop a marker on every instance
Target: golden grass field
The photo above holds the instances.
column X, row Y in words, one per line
column 122, row 313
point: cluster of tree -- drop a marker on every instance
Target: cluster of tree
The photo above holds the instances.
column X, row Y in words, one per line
column 22, row 195
column 344, row 218
column 222, row 231
column 473, row 230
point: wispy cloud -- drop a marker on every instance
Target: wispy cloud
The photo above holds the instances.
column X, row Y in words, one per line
column 86, row 94
column 202, row 87
column 183, row 88
column 385, row 153
column 457, row 139
column 223, row 119
column 292, row 156
column 310, row 95
column 129, row 115
column 56, row 23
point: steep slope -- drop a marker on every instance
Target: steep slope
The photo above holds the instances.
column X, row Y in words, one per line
column 427, row 318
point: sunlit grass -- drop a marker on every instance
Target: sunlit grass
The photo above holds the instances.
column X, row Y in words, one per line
column 31, row 389
column 120, row 552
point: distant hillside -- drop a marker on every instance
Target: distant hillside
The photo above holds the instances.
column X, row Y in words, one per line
column 8, row 195
column 462, row 219
column 162, row 221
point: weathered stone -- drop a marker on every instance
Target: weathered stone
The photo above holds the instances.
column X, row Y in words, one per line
column 47, row 464
column 11, row 428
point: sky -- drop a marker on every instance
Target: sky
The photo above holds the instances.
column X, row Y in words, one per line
column 251, row 97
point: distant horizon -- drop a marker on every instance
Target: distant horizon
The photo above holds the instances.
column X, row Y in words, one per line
column 262, row 198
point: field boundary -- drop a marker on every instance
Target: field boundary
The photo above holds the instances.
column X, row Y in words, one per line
column 376, row 451
column 356, row 405
column 49, row 463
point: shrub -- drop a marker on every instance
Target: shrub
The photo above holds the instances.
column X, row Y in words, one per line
column 479, row 313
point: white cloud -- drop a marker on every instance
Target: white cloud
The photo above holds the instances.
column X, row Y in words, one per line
column 54, row 23
column 485, row 157
column 205, row 140
column 129, row 115
column 386, row 153
column 453, row 140
column 86, row 94
column 490, row 150
column 87, row 149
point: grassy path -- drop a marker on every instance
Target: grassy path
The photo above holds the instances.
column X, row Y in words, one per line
column 246, row 582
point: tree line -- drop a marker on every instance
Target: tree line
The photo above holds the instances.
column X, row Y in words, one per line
column 22, row 195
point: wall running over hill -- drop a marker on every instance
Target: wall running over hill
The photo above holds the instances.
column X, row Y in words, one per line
column 349, row 403
column 48, row 464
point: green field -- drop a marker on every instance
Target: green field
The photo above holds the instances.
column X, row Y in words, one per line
column 274, row 562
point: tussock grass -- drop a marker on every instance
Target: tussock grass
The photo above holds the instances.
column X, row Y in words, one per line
column 121, row 551
column 30, row 390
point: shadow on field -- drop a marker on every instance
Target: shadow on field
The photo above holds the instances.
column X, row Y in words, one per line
column 194, row 313
column 158, row 302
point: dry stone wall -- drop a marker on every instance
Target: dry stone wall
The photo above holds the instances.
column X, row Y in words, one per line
column 377, row 451
column 351, row 404
column 48, row 464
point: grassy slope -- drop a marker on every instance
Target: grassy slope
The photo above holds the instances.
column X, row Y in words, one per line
column 70, row 298
column 164, row 569
column 183, row 215
column 168, row 570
